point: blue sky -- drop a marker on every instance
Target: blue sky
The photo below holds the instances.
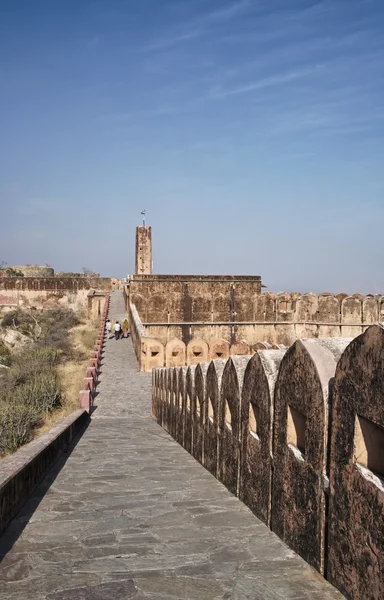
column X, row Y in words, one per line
column 251, row 130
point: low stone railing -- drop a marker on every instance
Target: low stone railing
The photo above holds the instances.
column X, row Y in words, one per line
column 298, row 436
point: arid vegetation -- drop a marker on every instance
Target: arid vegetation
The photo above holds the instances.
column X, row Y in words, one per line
column 40, row 380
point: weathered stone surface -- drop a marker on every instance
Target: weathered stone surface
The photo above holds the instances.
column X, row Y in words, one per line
column 174, row 401
column 351, row 314
column 116, row 590
column 371, row 310
column 181, row 404
column 356, row 532
column 198, row 411
column 156, row 408
column 175, row 353
column 219, row 349
column 241, row 348
column 152, row 354
column 197, row 351
column 302, row 398
column 189, row 402
column 229, row 422
column 256, row 431
column 166, row 404
column 211, row 416
column 143, row 254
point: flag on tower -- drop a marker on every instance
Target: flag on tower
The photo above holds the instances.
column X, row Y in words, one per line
column 143, row 212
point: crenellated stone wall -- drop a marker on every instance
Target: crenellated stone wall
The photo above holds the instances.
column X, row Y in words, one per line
column 280, row 320
column 298, row 435
column 44, row 292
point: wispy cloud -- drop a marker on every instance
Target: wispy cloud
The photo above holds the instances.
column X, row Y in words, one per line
column 201, row 25
column 273, row 80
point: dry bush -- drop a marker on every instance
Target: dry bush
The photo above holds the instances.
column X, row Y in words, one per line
column 17, row 422
column 28, row 363
column 42, row 386
column 42, row 392
column 88, row 338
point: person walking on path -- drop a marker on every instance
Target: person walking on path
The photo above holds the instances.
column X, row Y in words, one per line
column 108, row 328
column 117, row 330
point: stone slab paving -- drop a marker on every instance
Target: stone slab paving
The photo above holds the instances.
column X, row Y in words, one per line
column 129, row 514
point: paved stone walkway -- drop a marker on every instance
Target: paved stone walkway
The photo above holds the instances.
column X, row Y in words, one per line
column 129, row 514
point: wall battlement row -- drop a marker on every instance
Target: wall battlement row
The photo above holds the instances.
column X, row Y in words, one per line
column 344, row 316
column 55, row 284
column 298, row 435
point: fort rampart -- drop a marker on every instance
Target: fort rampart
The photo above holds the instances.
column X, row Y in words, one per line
column 39, row 292
column 298, row 435
column 277, row 320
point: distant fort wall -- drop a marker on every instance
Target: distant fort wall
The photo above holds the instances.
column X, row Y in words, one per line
column 41, row 292
column 264, row 320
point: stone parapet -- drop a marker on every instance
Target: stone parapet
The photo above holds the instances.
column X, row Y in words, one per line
column 261, row 425
column 21, row 472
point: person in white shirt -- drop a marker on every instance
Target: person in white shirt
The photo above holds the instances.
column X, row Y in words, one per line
column 117, row 330
column 108, row 328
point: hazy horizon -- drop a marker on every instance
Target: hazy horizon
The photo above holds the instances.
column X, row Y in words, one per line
column 251, row 130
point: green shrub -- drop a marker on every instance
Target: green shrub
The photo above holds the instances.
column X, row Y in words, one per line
column 42, row 392
column 17, row 422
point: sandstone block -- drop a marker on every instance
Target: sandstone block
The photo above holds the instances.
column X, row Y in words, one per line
column 219, row 349
column 152, row 354
column 92, row 372
column 371, row 310
column 351, row 316
column 85, row 400
column 329, row 311
column 89, row 384
column 241, row 348
column 175, row 353
column 197, row 351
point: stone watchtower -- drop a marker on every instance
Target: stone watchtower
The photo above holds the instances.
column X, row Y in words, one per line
column 143, row 250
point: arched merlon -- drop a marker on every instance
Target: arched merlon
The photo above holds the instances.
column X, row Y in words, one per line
column 302, row 395
column 256, row 420
column 198, row 410
column 211, row 414
column 229, row 421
